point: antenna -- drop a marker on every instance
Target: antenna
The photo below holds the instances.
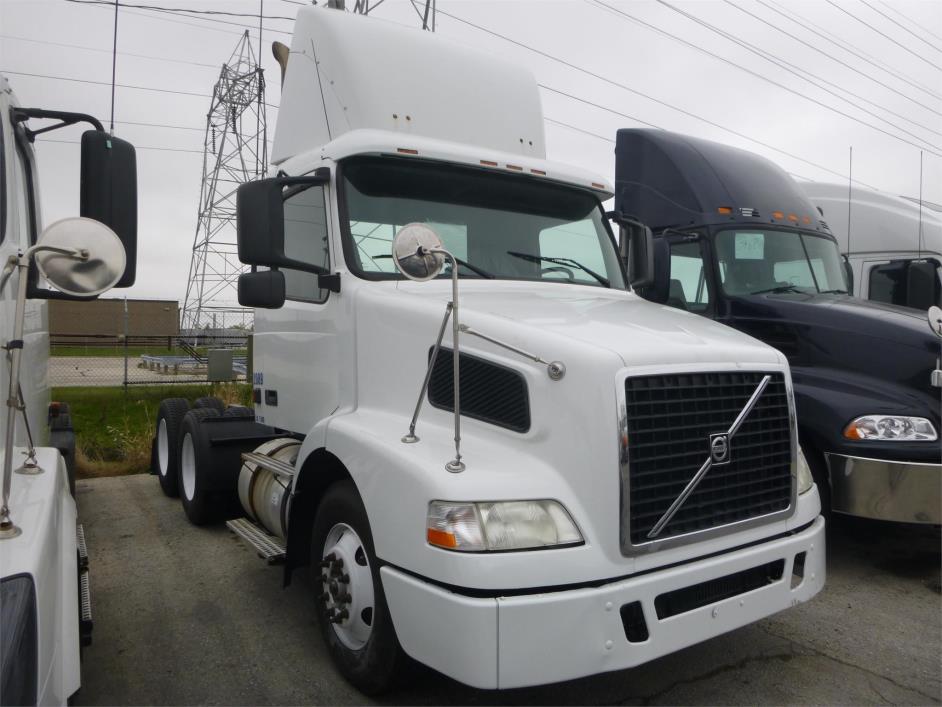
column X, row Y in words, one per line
column 919, row 246
column 114, row 61
column 850, row 192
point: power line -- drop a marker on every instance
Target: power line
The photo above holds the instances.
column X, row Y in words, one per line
column 830, row 56
column 105, row 51
column 797, row 71
column 905, row 29
column 898, row 14
column 106, row 3
column 754, row 73
column 882, row 34
column 636, row 92
column 830, row 38
column 136, row 147
column 161, row 8
column 120, row 85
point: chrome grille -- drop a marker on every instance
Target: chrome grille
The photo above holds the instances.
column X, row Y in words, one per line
column 669, row 421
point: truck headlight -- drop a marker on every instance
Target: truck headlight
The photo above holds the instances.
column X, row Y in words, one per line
column 501, row 525
column 891, row 428
column 805, row 479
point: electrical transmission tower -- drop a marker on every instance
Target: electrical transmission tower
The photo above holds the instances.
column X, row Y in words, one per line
column 235, row 150
column 424, row 9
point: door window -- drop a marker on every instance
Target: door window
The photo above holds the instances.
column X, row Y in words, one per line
column 688, row 287
column 907, row 283
column 306, row 240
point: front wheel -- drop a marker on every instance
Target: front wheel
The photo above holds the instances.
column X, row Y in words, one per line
column 351, row 607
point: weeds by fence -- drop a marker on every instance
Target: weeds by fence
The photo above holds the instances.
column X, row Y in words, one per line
column 109, row 360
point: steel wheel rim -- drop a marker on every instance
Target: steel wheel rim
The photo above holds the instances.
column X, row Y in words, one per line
column 350, row 604
column 188, row 467
column 163, row 447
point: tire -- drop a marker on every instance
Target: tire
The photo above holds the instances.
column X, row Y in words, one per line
column 364, row 647
column 211, row 402
column 194, row 495
column 239, row 411
column 167, row 443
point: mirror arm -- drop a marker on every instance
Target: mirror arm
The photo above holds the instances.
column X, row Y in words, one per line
column 328, row 281
column 21, row 115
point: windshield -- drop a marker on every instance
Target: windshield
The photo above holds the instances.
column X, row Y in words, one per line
column 756, row 261
column 497, row 225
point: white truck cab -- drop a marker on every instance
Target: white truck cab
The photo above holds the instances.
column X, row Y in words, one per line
column 623, row 479
column 45, row 610
column 894, row 251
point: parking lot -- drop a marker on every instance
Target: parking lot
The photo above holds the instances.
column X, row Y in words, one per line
column 187, row 615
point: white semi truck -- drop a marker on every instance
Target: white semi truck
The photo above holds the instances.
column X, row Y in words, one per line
column 45, row 606
column 894, row 249
column 623, row 479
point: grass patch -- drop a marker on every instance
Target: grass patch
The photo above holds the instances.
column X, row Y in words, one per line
column 114, row 430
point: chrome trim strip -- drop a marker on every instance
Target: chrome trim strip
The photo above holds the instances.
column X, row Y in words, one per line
column 900, row 491
column 708, row 464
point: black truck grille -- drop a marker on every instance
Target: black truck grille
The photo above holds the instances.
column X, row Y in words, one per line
column 669, row 422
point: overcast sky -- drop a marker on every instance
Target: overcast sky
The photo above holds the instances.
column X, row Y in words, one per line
column 651, row 60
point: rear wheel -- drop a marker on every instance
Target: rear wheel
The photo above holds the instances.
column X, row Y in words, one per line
column 194, row 493
column 351, row 606
column 167, row 441
column 211, row 402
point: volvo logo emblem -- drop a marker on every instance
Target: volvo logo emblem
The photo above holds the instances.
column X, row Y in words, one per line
column 719, row 448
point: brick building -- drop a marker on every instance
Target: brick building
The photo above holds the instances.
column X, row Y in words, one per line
column 70, row 321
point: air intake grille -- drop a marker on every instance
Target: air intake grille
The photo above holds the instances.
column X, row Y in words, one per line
column 670, row 419
column 489, row 392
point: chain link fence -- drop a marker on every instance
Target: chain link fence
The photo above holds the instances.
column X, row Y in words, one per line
column 109, row 359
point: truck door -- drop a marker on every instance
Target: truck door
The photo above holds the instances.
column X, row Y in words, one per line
column 690, row 284
column 295, row 347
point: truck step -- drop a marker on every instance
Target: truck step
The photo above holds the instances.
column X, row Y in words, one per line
column 82, row 547
column 269, row 547
column 275, row 466
column 85, row 609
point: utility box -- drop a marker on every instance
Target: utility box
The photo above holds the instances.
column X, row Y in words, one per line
column 219, row 365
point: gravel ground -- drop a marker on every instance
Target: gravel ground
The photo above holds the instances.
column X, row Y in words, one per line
column 187, row 615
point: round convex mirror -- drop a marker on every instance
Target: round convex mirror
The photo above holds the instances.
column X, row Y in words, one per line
column 935, row 319
column 88, row 277
column 411, row 252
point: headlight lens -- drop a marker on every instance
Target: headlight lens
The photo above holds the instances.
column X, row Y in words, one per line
column 500, row 525
column 891, row 428
column 805, row 480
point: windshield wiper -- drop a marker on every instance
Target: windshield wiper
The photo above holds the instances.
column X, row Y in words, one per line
column 473, row 268
column 835, row 292
column 777, row 290
column 560, row 261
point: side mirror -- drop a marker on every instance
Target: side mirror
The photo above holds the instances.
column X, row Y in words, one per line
column 635, row 247
column 417, row 252
column 260, row 213
column 109, row 191
column 848, row 274
column 660, row 283
column 264, row 289
column 80, row 257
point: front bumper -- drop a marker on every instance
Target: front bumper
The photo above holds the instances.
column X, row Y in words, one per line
column 532, row 639
column 906, row 492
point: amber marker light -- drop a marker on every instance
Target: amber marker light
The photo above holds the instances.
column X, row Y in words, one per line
column 440, row 538
column 806, row 219
column 725, row 210
column 539, row 172
column 406, row 151
column 489, row 163
column 778, row 215
column 598, row 186
column 793, row 218
column 515, row 168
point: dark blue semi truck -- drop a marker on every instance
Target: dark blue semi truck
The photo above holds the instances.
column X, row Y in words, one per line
column 736, row 239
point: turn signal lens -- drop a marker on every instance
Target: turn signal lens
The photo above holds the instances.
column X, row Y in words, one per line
column 891, row 428
column 500, row 525
column 725, row 210
column 805, row 480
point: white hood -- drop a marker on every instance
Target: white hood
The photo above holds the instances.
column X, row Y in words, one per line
column 529, row 315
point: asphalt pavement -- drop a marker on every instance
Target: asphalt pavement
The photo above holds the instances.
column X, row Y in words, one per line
column 187, row 615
